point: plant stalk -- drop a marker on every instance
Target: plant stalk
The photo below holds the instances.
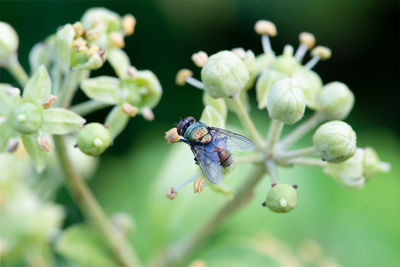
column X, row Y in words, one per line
column 17, row 71
column 88, row 107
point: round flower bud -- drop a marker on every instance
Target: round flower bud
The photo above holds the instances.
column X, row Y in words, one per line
column 27, row 118
column 335, row 141
column 370, row 162
column 8, row 40
column 336, row 100
column 311, row 84
column 224, row 75
column 264, row 84
column 282, row 198
column 286, row 101
column 94, row 139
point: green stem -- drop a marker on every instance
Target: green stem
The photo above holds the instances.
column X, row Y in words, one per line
column 180, row 250
column 88, row 107
column 247, row 122
column 272, row 170
column 302, row 129
column 70, row 85
column 313, row 162
column 274, row 133
column 85, row 199
column 302, row 152
column 16, row 70
column 249, row 158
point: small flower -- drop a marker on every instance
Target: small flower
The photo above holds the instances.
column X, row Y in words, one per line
column 172, row 135
column 94, row 139
column 336, row 100
column 224, row 75
column 200, row 58
column 281, row 198
column 286, row 102
column 8, row 40
column 198, row 185
column 335, row 141
column 128, row 24
column 171, row 193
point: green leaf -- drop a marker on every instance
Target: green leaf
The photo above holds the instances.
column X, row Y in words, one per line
column 103, row 89
column 60, row 121
column 32, row 147
column 63, row 43
column 116, row 121
column 38, row 86
column 82, row 245
column 120, row 62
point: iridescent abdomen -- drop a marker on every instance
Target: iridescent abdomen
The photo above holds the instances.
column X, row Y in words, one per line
column 198, row 133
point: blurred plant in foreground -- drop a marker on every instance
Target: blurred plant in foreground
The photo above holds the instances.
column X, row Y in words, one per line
column 42, row 117
column 284, row 87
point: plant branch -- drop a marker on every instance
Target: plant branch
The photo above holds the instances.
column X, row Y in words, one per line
column 85, row 199
column 274, row 132
column 301, row 130
column 313, row 162
column 302, row 152
column 88, row 107
column 180, row 250
column 247, row 122
column 16, row 70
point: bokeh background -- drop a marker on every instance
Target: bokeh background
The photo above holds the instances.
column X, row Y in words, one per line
column 355, row 228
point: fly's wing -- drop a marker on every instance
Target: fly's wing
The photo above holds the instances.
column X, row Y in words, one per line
column 208, row 161
column 235, row 142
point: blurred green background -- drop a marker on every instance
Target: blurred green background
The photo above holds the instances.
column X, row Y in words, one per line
column 355, row 228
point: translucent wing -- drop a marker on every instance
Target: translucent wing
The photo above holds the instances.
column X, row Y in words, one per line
column 208, row 161
column 235, row 142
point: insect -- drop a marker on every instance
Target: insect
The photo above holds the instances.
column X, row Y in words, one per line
column 212, row 146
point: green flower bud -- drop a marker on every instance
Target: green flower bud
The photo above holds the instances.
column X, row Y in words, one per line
column 94, row 139
column 210, row 116
column 101, row 18
column 286, row 101
column 217, row 103
column 335, row 141
column 8, row 40
column 370, row 162
column 336, row 100
column 350, row 172
column 282, row 198
column 311, row 84
column 224, row 75
column 142, row 91
column 264, row 84
column 286, row 63
column 27, row 118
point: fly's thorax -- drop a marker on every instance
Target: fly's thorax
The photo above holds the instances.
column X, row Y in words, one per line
column 198, row 132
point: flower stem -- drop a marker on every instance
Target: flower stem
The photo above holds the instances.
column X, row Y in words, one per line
column 302, row 152
column 247, row 121
column 273, row 171
column 274, row 132
column 85, row 199
column 180, row 250
column 249, row 158
column 88, row 107
column 16, row 70
column 313, row 162
column 301, row 130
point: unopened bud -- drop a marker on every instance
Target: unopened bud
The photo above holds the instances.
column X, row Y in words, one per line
column 44, row 143
column 128, row 24
column 240, row 52
column 94, row 139
column 172, row 135
column 182, row 75
column 129, row 110
column 8, row 40
column 321, row 51
column 286, row 102
column 198, row 185
column 281, row 198
column 200, row 58
column 370, row 162
column 171, row 193
column 265, row 27
column 336, row 100
column 117, row 40
column 308, row 39
column 335, row 141
column 49, row 101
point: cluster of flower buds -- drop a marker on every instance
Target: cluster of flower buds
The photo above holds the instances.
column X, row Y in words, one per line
column 285, row 87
